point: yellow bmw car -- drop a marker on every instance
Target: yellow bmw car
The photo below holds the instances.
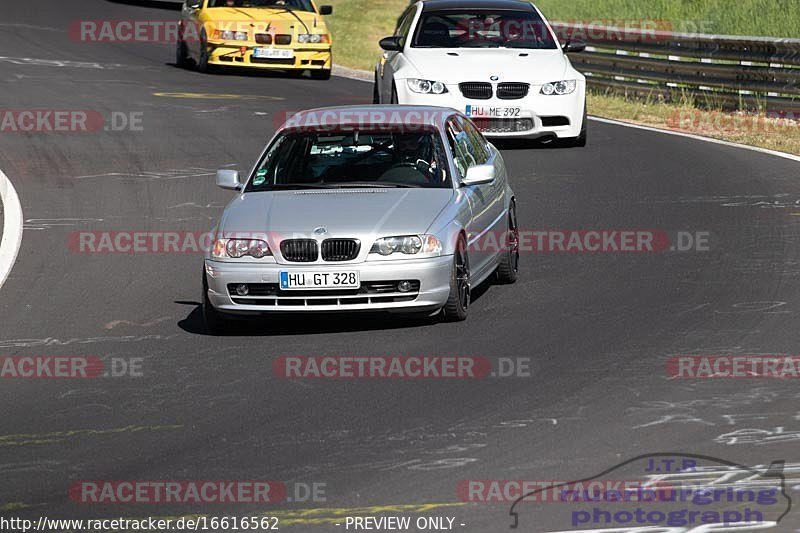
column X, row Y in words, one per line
column 286, row 35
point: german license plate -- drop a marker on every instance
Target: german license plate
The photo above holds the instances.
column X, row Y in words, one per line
column 483, row 111
column 319, row 280
column 273, row 53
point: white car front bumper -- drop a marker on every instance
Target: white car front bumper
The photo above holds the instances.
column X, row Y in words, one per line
column 539, row 116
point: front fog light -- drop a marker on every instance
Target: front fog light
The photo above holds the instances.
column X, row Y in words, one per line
column 242, row 290
column 404, row 286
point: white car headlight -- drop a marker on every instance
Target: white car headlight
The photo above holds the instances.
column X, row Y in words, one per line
column 237, row 248
column 559, row 87
column 230, row 35
column 408, row 245
column 426, row 86
column 313, row 38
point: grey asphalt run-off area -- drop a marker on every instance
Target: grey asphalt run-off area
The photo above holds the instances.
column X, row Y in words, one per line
column 598, row 328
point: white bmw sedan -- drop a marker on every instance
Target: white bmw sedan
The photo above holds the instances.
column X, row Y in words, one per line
column 497, row 61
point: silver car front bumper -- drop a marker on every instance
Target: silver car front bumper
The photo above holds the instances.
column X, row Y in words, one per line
column 376, row 293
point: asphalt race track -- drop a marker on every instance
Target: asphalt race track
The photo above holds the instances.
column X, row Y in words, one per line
column 598, row 328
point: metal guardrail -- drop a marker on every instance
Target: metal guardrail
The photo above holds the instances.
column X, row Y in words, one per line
column 727, row 71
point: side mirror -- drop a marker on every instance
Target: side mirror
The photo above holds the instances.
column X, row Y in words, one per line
column 573, row 47
column 478, row 175
column 228, row 179
column 194, row 4
column 391, row 44
column 326, row 10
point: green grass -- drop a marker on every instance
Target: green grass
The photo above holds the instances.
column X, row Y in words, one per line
column 358, row 25
column 775, row 18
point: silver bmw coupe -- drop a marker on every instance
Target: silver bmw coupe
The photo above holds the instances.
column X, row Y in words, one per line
column 395, row 208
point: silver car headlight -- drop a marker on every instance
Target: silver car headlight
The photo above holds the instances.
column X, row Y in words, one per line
column 559, row 87
column 408, row 245
column 238, row 248
column 426, row 86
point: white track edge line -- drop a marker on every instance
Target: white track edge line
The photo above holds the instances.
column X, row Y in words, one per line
column 12, row 227
column 776, row 153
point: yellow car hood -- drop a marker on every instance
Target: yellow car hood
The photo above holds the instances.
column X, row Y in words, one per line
column 277, row 18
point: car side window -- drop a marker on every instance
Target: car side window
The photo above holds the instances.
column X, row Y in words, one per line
column 477, row 142
column 404, row 24
column 460, row 146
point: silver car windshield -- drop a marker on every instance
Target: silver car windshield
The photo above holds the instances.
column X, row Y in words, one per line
column 483, row 29
column 353, row 158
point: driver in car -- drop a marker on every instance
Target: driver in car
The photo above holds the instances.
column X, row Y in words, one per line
column 414, row 151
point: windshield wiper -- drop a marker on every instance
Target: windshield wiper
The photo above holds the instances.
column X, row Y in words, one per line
column 387, row 185
column 290, row 186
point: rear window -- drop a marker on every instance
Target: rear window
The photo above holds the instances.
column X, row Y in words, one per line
column 483, row 29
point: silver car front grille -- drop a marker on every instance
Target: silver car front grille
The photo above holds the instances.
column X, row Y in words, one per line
column 340, row 249
column 300, row 250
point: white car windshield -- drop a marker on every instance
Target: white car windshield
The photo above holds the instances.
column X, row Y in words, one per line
column 353, row 158
column 482, row 29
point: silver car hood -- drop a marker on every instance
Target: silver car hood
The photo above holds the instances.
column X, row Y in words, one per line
column 342, row 212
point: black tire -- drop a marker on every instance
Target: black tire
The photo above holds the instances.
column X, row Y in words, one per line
column 508, row 269
column 455, row 310
column 580, row 140
column 323, row 74
column 202, row 63
column 215, row 322
column 376, row 94
column 181, row 54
